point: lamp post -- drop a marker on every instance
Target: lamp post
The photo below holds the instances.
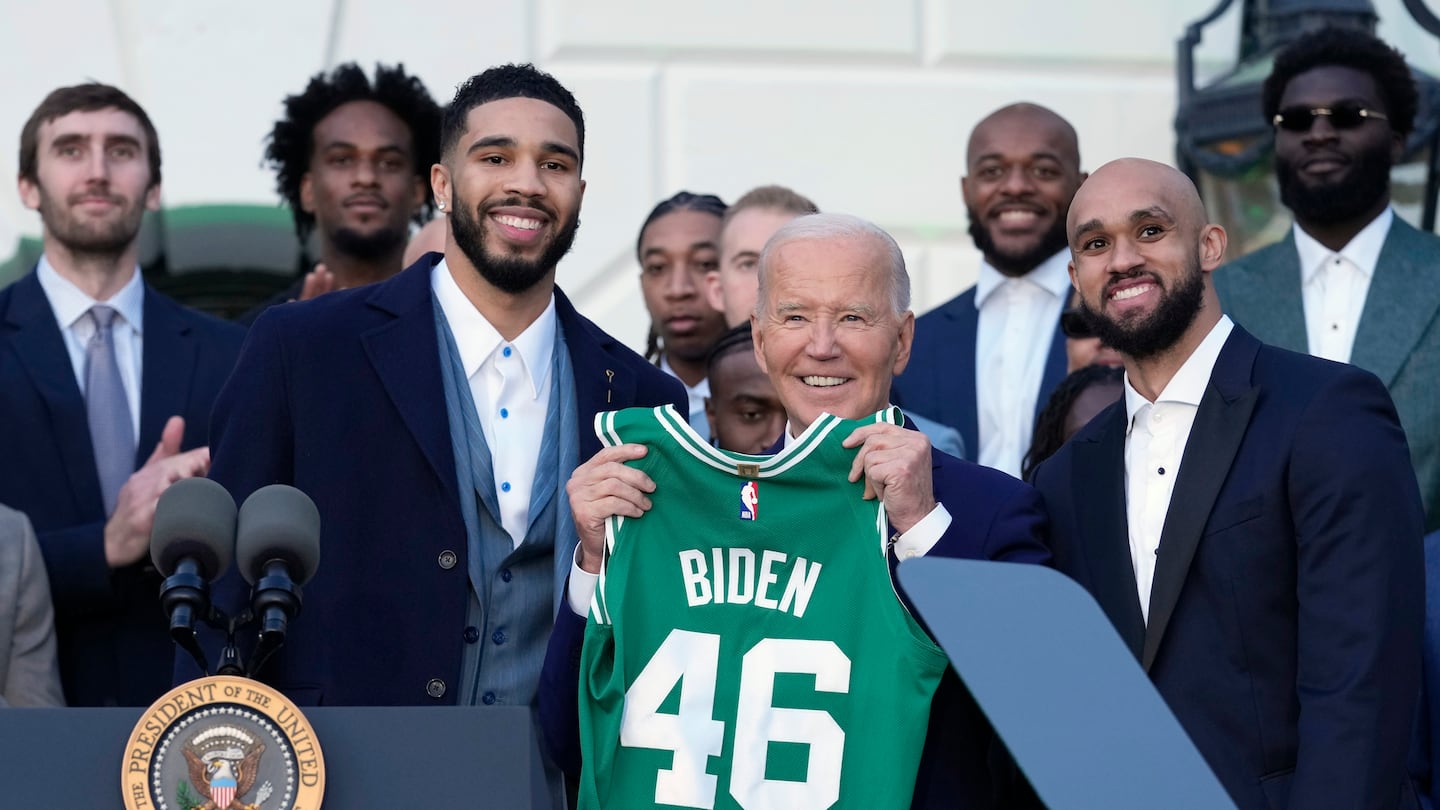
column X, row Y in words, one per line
column 1224, row 144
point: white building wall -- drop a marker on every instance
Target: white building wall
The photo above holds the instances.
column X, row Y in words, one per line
column 863, row 105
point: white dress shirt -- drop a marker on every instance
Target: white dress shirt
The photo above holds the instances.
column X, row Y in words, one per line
column 510, row 381
column 695, row 396
column 1334, row 286
column 1155, row 442
column 69, row 304
column 914, row 543
column 1017, row 322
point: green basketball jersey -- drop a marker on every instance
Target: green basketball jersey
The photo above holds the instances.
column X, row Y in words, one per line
column 745, row 646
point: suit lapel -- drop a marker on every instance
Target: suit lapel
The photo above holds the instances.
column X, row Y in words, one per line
column 1271, row 302
column 1403, row 300
column 967, row 322
column 406, row 356
column 41, row 350
column 1056, row 363
column 1099, row 490
column 601, row 382
column 1220, row 425
column 169, row 362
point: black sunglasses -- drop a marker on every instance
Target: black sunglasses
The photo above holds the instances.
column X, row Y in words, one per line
column 1073, row 324
column 1342, row 116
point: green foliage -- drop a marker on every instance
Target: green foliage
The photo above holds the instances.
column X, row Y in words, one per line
column 186, row 799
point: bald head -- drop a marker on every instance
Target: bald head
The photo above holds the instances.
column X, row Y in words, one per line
column 1135, row 186
column 1022, row 169
column 1024, row 116
column 1141, row 257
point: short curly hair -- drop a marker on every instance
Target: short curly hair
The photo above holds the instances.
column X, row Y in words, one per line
column 291, row 144
column 508, row 81
column 1351, row 48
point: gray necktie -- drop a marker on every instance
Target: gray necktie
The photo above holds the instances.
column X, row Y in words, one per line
column 107, row 408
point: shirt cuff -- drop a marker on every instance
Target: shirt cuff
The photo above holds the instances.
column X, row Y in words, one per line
column 922, row 536
column 582, row 583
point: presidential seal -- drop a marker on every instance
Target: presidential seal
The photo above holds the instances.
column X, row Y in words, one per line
column 223, row 743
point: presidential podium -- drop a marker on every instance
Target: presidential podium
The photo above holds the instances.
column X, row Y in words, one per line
column 1072, row 704
column 442, row 756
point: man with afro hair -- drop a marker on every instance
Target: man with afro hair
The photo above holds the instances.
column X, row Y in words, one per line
column 1351, row 282
column 352, row 159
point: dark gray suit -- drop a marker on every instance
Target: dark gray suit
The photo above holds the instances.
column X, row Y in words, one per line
column 1398, row 338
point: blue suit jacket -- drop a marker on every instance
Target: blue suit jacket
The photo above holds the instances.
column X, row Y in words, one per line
column 993, row 517
column 114, row 646
column 1285, row 613
column 1398, row 338
column 940, row 380
column 342, row 397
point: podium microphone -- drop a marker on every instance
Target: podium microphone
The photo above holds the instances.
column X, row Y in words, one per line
column 191, row 543
column 277, row 547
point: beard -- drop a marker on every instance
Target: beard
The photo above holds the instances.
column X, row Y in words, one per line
column 102, row 239
column 510, row 274
column 369, row 246
column 1019, row 263
column 1347, row 199
column 1150, row 335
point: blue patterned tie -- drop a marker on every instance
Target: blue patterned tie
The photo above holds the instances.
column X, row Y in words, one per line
column 107, row 409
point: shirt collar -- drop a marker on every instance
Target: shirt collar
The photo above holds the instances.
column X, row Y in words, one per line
column 1363, row 250
column 1051, row 275
column 701, row 388
column 478, row 340
column 70, row 303
column 1188, row 385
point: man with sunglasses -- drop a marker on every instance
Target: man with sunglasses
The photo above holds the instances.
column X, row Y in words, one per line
column 1352, row 282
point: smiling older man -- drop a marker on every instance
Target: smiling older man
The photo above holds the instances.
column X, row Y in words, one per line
column 832, row 328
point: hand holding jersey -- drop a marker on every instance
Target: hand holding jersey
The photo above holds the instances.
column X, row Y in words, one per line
column 894, row 462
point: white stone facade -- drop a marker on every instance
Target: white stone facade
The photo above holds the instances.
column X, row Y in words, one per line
column 863, row 105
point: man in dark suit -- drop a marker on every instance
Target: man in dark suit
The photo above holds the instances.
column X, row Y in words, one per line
column 105, row 385
column 434, row 418
column 1351, row 281
column 986, row 361
column 832, row 329
column 1246, row 516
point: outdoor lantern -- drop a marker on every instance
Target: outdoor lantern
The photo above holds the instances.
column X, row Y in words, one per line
column 1224, row 144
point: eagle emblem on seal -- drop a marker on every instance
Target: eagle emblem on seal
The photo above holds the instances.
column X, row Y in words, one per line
column 224, row 762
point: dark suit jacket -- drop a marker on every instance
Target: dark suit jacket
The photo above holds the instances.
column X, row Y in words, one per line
column 341, row 396
column 940, row 380
column 993, row 517
column 1398, row 338
column 113, row 640
column 1285, row 614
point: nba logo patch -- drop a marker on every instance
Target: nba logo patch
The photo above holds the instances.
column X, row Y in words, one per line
column 749, row 500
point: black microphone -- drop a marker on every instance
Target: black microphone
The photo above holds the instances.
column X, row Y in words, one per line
column 191, row 543
column 277, row 547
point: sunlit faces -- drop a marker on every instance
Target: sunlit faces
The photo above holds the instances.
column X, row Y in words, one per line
column 512, row 189
column 93, row 181
column 1140, row 251
column 744, row 412
column 827, row 335
column 733, row 287
column 361, row 185
column 676, row 251
column 1022, row 170
column 1328, row 174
